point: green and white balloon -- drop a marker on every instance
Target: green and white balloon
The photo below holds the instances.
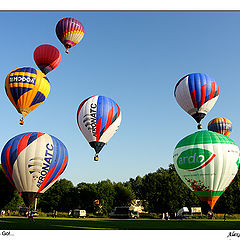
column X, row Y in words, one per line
column 207, row 162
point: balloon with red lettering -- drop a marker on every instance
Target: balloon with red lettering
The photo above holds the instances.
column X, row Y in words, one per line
column 26, row 88
column 196, row 93
column 221, row 125
column 70, row 32
column 32, row 162
column 207, row 163
column 98, row 118
column 46, row 57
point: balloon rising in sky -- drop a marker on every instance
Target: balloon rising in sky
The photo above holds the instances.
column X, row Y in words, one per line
column 46, row 57
column 70, row 32
column 196, row 93
column 220, row 125
column 26, row 88
column 98, row 118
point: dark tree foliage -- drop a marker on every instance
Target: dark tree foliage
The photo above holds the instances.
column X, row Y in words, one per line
column 15, row 203
column 106, row 195
column 160, row 191
column 60, row 197
column 229, row 201
column 124, row 194
column 87, row 194
column 6, row 189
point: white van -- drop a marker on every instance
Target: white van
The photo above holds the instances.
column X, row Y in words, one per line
column 79, row 213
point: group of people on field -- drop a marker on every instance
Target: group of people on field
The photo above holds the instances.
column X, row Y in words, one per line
column 30, row 215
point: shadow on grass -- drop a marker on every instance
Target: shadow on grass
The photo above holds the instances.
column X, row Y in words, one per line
column 20, row 223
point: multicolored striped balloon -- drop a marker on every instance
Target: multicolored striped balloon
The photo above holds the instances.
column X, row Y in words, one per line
column 207, row 162
column 98, row 118
column 26, row 88
column 33, row 162
column 46, row 57
column 220, row 125
column 196, row 94
column 69, row 31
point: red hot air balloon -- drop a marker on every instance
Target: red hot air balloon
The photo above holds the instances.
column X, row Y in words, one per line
column 47, row 57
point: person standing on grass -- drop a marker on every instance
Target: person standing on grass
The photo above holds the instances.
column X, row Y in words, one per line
column 224, row 217
column 31, row 215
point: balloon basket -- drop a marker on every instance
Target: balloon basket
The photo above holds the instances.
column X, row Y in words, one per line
column 21, row 122
column 96, row 158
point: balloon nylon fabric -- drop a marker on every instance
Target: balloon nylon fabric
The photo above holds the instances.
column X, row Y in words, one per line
column 69, row 31
column 220, row 125
column 196, row 93
column 26, row 88
column 98, row 118
column 46, row 57
column 33, row 161
column 207, row 162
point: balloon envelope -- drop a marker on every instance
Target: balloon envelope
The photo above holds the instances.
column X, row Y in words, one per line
column 220, row 125
column 207, row 162
column 26, row 88
column 69, row 31
column 196, row 94
column 32, row 162
column 46, row 57
column 98, row 118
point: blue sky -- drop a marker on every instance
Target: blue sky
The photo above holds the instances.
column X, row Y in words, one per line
column 135, row 58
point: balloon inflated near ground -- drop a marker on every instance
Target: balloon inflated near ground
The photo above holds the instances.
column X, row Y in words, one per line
column 32, row 162
column 207, row 162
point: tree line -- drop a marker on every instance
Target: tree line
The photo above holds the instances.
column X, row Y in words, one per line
column 160, row 191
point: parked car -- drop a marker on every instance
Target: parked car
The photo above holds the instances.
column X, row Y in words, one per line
column 123, row 212
column 79, row 213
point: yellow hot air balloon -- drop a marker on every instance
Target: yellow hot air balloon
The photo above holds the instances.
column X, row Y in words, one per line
column 26, row 88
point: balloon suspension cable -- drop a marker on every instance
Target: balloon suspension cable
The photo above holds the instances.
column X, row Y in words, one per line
column 199, row 126
column 21, row 121
column 96, row 158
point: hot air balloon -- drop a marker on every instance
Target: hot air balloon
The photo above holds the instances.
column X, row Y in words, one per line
column 46, row 57
column 98, row 118
column 207, row 162
column 26, row 88
column 197, row 93
column 32, row 162
column 220, row 125
column 69, row 31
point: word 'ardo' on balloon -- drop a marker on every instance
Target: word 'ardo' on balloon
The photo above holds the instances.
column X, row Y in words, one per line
column 207, row 162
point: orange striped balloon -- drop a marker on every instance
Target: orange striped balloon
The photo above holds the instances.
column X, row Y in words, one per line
column 220, row 125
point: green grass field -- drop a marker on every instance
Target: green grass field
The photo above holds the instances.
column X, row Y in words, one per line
column 41, row 223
